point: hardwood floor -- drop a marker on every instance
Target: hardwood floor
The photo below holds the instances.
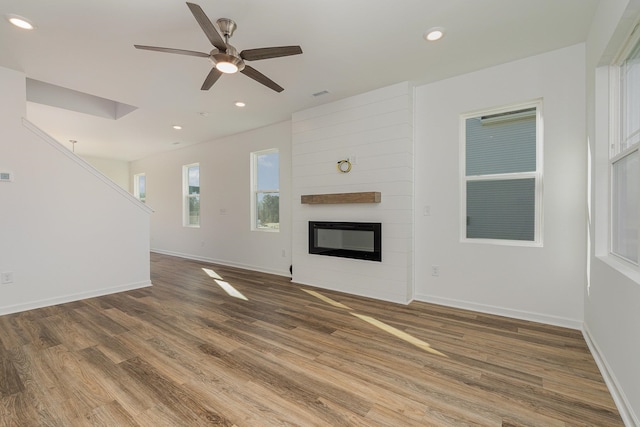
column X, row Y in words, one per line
column 185, row 353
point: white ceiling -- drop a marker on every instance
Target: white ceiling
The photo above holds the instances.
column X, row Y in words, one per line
column 350, row 47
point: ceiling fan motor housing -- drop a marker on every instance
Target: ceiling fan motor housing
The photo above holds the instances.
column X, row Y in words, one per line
column 227, row 27
column 231, row 55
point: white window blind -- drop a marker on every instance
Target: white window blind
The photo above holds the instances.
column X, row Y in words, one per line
column 625, row 181
column 630, row 98
column 502, row 176
column 625, row 159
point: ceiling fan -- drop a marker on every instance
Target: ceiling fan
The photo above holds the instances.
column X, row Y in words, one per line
column 225, row 57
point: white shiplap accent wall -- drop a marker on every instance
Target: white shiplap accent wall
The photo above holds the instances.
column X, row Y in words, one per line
column 377, row 129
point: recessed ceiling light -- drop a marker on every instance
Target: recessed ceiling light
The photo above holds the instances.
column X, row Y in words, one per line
column 177, row 127
column 240, row 104
column 434, row 34
column 20, row 22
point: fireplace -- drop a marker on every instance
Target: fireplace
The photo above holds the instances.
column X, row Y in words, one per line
column 360, row 240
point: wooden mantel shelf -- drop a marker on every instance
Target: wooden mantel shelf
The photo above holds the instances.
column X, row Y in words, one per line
column 325, row 199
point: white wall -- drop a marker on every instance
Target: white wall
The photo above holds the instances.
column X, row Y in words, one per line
column 67, row 232
column 225, row 234
column 376, row 128
column 116, row 170
column 612, row 299
column 536, row 283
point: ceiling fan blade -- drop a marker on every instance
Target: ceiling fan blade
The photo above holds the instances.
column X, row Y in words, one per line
column 261, row 78
column 170, row 50
column 212, row 77
column 270, row 52
column 205, row 23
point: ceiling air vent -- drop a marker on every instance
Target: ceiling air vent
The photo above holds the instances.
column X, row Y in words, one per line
column 6, row 177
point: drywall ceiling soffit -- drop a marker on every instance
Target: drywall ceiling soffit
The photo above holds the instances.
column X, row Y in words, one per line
column 73, row 100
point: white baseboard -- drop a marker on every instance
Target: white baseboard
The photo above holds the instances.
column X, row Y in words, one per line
column 31, row 305
column 624, row 407
column 222, row 262
column 501, row 311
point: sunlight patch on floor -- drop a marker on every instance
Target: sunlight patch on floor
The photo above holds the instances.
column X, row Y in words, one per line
column 399, row 334
column 326, row 299
column 230, row 290
column 212, row 273
column 378, row 324
column 226, row 286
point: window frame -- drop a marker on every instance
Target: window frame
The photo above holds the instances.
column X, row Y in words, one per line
column 537, row 175
column 616, row 150
column 136, row 186
column 186, row 196
column 254, row 191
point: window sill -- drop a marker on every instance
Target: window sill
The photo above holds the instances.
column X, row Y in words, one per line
column 625, row 268
column 499, row 242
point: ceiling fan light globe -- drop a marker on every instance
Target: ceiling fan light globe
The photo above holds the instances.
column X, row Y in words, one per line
column 226, row 63
column 227, row 67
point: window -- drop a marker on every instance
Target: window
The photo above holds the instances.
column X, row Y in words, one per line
column 191, row 195
column 624, row 157
column 265, row 190
column 140, row 187
column 502, row 173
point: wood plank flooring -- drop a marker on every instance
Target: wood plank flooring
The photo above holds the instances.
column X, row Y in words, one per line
column 185, row 353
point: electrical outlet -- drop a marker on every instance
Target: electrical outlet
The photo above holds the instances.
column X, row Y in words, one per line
column 435, row 270
column 284, row 253
column 6, row 277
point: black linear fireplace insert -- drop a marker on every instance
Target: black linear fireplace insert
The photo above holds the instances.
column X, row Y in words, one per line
column 360, row 240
